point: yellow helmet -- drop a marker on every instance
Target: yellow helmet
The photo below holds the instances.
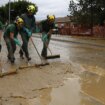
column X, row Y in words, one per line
column 51, row 17
column 19, row 21
column 32, row 9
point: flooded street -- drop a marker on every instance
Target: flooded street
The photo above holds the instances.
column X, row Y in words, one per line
column 77, row 78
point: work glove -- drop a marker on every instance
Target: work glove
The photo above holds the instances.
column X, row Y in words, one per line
column 17, row 41
column 0, row 47
column 29, row 33
column 44, row 37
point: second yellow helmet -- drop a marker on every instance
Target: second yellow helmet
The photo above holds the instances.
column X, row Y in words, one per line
column 51, row 17
column 32, row 9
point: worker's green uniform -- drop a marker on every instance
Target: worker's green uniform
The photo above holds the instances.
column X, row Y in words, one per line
column 46, row 26
column 1, row 27
column 29, row 24
column 11, row 45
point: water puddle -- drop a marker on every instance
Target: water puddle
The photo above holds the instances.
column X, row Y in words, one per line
column 75, row 91
column 67, row 94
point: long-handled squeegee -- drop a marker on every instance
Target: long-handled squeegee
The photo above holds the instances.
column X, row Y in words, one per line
column 51, row 56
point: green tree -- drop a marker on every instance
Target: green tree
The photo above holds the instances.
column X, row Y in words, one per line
column 17, row 8
column 88, row 12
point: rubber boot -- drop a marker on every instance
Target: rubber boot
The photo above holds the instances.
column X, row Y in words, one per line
column 28, row 58
column 12, row 60
column 0, row 47
column 21, row 54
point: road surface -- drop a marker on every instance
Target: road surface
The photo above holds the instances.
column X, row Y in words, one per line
column 77, row 78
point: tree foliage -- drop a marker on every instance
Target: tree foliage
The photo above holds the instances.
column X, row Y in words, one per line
column 17, row 8
column 88, row 12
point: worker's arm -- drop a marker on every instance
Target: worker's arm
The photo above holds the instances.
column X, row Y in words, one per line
column 15, row 39
column 50, row 32
column 11, row 35
column 29, row 33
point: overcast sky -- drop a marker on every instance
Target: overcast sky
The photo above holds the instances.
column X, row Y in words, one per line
column 57, row 7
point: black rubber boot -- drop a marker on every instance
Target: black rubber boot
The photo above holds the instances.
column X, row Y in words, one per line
column 21, row 54
column 9, row 57
column 28, row 58
column 12, row 60
column 0, row 47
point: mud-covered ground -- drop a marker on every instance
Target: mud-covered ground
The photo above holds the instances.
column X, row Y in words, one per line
column 77, row 78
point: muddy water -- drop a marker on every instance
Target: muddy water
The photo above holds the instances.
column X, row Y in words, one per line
column 92, row 85
column 73, row 92
column 92, row 58
column 68, row 94
column 86, row 88
column 80, row 53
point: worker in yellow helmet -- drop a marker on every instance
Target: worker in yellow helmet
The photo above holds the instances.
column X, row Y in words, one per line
column 29, row 27
column 10, row 37
column 47, row 26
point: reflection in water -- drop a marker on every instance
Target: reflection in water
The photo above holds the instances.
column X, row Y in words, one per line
column 90, row 91
column 67, row 94
column 74, row 92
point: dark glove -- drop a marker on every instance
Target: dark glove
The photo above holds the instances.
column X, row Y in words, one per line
column 0, row 47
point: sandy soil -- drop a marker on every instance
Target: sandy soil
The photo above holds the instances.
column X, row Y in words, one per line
column 27, row 83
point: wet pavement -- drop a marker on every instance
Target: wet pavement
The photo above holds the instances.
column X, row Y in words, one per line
column 77, row 39
column 77, row 78
column 89, row 53
column 71, row 93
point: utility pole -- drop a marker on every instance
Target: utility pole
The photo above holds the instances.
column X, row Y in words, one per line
column 9, row 11
column 91, row 16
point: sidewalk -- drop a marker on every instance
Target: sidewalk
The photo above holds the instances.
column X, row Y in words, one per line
column 77, row 39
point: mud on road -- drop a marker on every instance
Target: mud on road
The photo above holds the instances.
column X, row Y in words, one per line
column 18, row 89
column 77, row 78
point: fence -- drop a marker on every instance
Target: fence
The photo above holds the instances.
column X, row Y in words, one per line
column 98, row 31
